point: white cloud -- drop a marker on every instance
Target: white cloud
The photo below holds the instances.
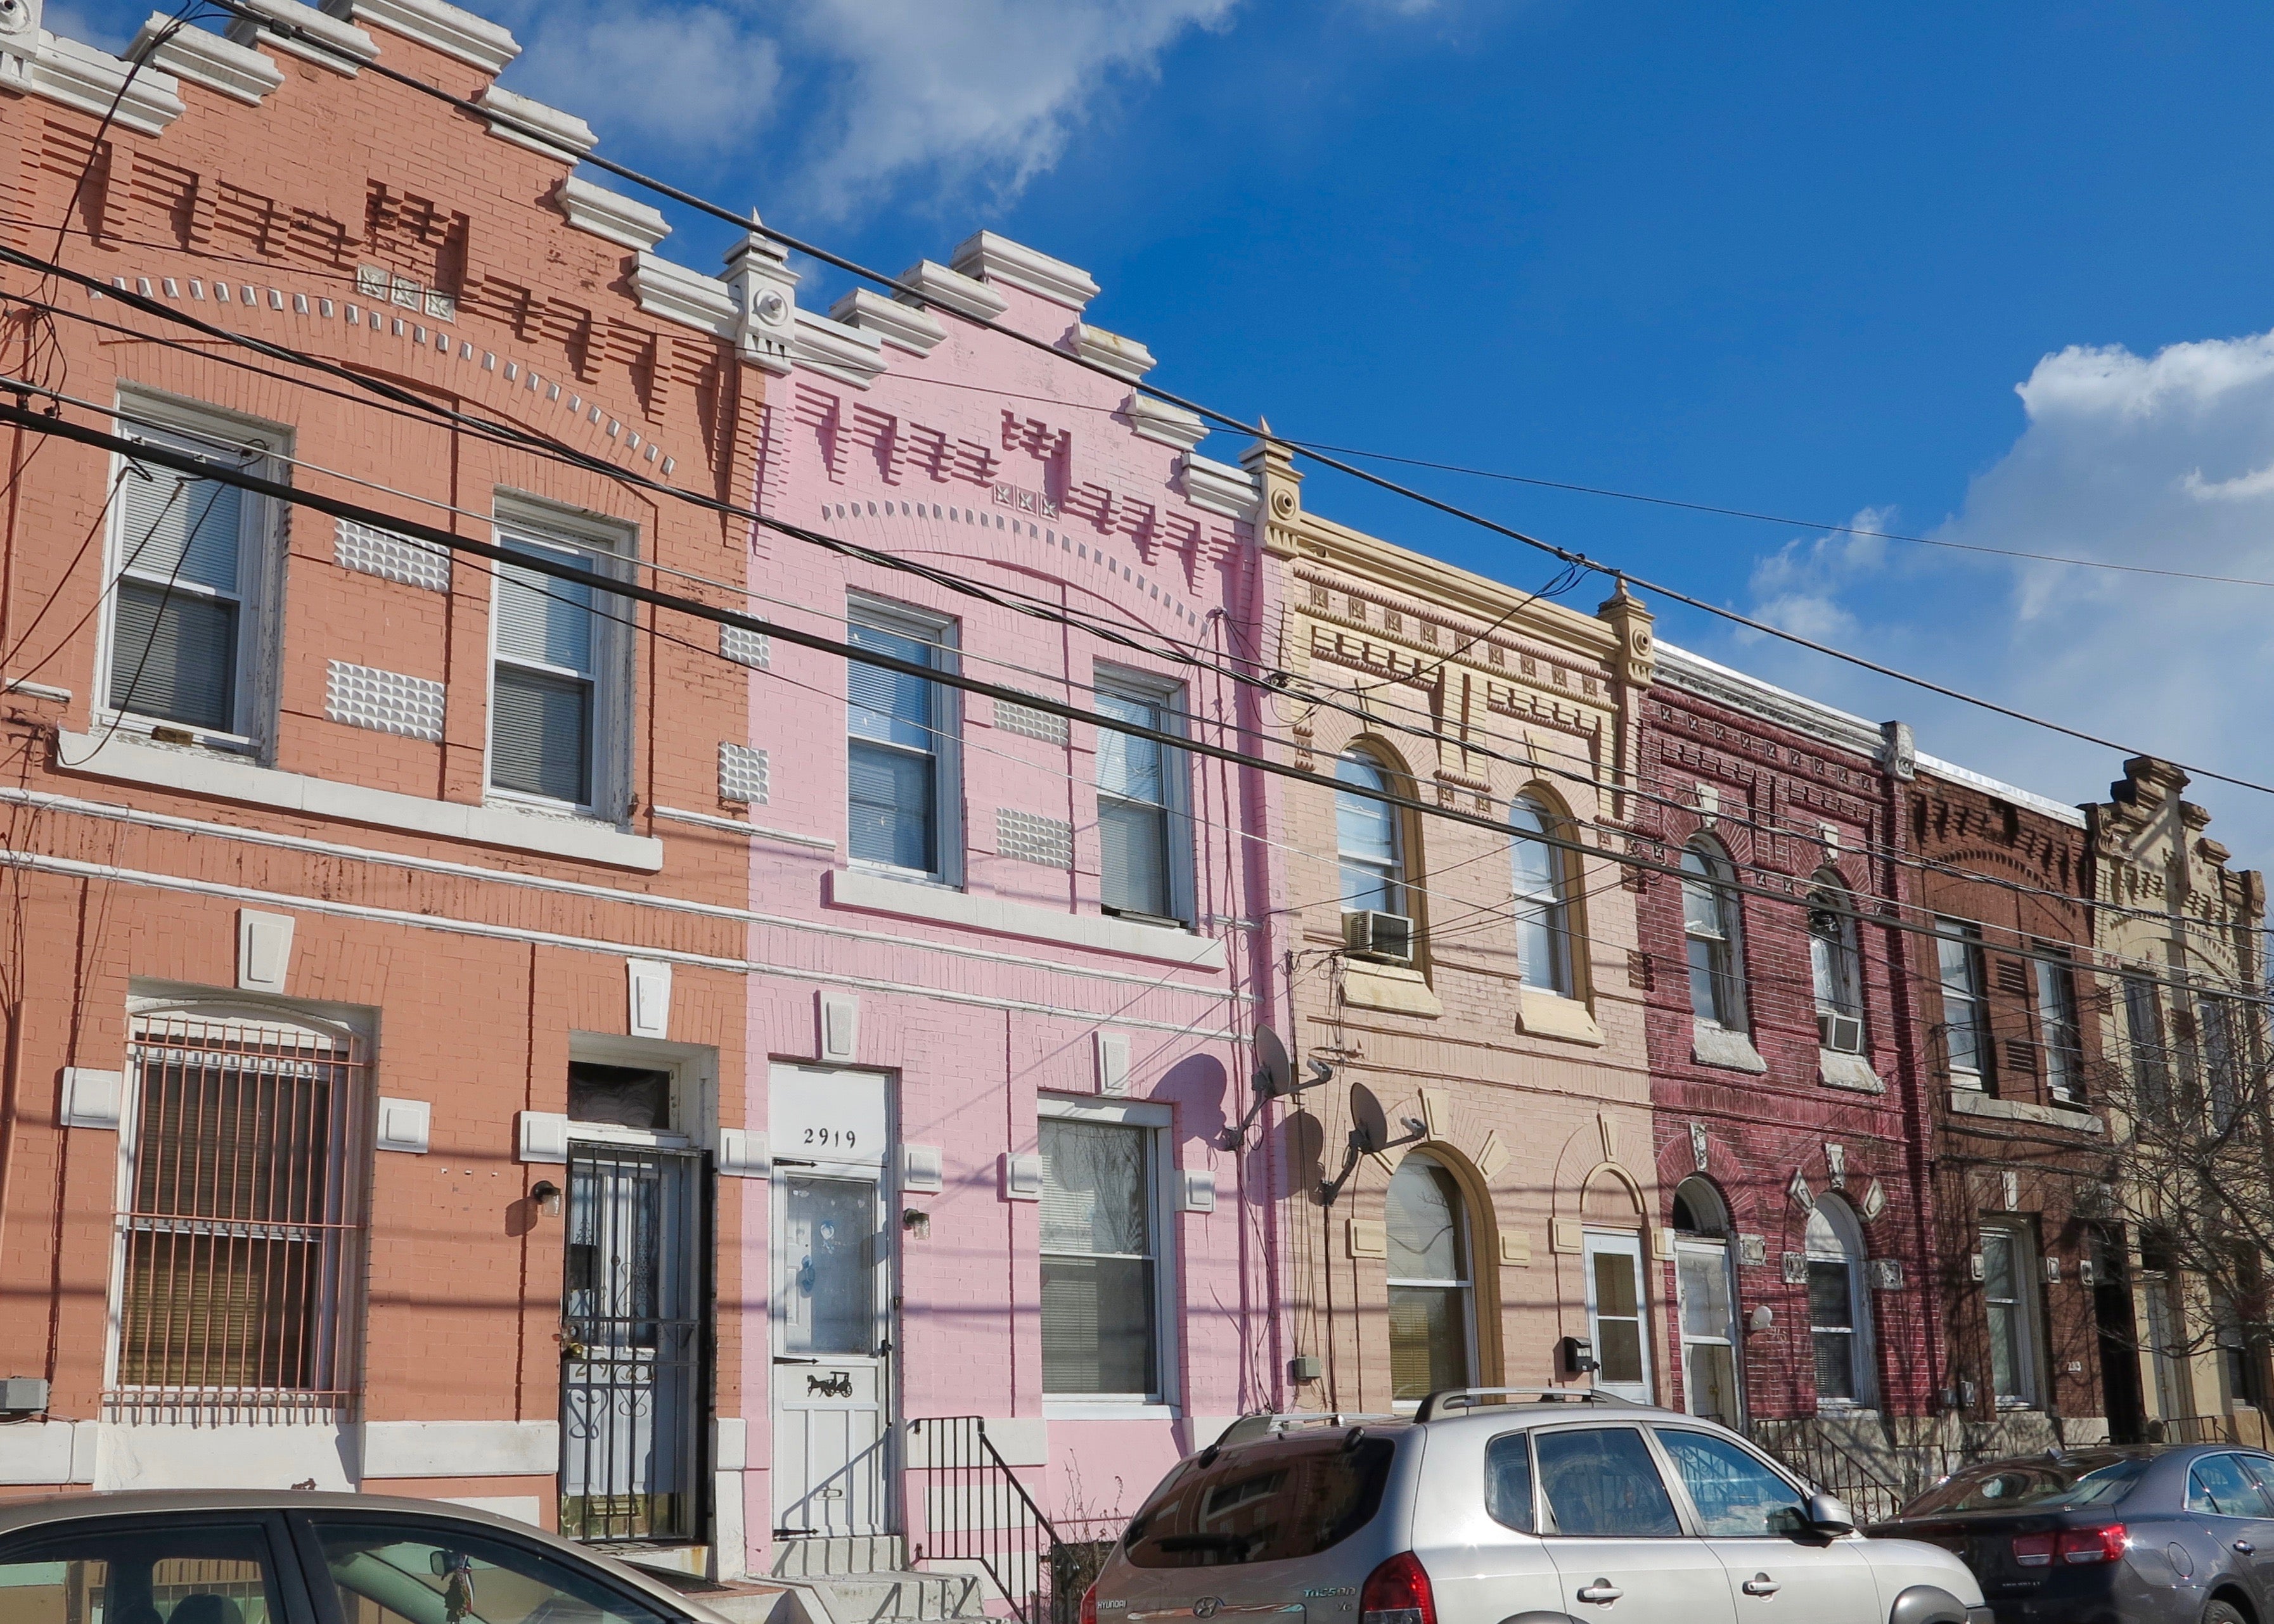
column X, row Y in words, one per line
column 703, row 79
column 1796, row 587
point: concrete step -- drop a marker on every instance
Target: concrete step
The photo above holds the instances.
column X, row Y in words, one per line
column 820, row 1556
column 902, row 1597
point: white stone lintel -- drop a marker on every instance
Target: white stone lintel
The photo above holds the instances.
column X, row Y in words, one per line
column 836, row 351
column 1158, row 420
column 79, row 76
column 624, row 220
column 958, row 292
column 689, row 297
column 1218, row 486
column 307, row 34
column 1123, row 357
column 199, row 57
column 903, row 327
column 475, row 40
column 529, row 123
column 998, row 258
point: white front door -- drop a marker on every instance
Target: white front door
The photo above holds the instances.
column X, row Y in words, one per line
column 832, row 1366
column 1617, row 1320
column 1709, row 1331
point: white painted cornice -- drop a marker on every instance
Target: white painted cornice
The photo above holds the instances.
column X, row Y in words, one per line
column 531, row 124
column 836, row 351
column 202, row 58
column 1694, row 673
column 904, row 326
column 455, row 32
column 2043, row 805
column 689, row 297
column 1171, row 426
column 998, row 258
column 79, row 76
column 1218, row 486
column 954, row 289
column 1123, row 357
column 610, row 214
column 327, row 42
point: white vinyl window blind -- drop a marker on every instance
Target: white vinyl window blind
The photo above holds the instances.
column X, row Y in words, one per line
column 555, row 676
column 1100, row 1296
column 1139, row 788
column 188, row 566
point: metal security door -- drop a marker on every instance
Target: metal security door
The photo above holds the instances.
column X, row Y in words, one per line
column 631, row 1372
column 831, row 1358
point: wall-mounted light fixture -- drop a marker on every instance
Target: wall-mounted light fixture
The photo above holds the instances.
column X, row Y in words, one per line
column 546, row 1194
column 917, row 1223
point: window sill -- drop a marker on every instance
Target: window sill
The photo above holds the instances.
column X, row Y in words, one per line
column 1106, row 1410
column 1973, row 1102
column 1389, row 986
column 1550, row 1015
column 881, row 892
column 1837, row 1069
column 204, row 772
column 1718, row 1046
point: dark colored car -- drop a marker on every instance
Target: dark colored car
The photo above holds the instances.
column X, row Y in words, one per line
column 2118, row 1535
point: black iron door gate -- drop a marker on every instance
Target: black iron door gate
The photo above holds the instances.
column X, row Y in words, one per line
column 632, row 1347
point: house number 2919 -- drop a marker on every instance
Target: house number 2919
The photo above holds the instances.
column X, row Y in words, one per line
column 834, row 1139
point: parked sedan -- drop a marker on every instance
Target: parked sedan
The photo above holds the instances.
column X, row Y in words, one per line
column 254, row 1557
column 2145, row 1534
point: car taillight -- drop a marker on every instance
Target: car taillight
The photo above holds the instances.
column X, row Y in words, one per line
column 2093, row 1545
column 2033, row 1550
column 1090, row 1605
column 1396, row 1592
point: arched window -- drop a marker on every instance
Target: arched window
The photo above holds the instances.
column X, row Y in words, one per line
column 1366, row 839
column 1708, row 1295
column 1834, row 964
column 1543, row 914
column 1709, row 923
column 1838, row 1307
column 1432, row 1330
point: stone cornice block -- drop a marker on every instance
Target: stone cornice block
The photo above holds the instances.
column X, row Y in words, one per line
column 475, row 40
column 836, row 351
column 308, row 33
column 689, row 297
column 1123, row 357
column 1158, row 420
column 531, row 124
column 1218, row 486
column 904, row 326
column 610, row 214
column 201, row 58
column 997, row 259
column 79, row 76
column 954, row 289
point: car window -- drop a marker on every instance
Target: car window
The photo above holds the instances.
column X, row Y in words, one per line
column 2089, row 1478
column 1601, row 1480
column 2261, row 1471
column 125, row 1573
column 2218, row 1487
column 1735, row 1493
column 414, row 1572
column 1508, row 1482
column 1267, row 1501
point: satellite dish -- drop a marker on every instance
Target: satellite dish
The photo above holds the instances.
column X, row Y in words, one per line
column 1274, row 1073
column 1369, row 1124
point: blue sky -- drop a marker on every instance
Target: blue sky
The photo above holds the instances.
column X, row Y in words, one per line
column 1995, row 274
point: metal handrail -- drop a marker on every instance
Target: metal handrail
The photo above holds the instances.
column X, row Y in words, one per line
column 972, row 1468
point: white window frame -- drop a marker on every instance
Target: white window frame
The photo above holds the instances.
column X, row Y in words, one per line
column 1628, row 1244
column 1557, row 910
column 1854, row 1255
column 2060, row 1028
column 170, row 421
column 1973, row 999
column 1835, row 962
column 1400, row 880
column 1157, row 1120
column 906, row 621
column 2023, row 1307
column 606, row 547
column 1726, row 952
column 694, row 1070
column 1713, row 1245
column 1466, row 1248
column 2218, row 1029
column 1168, row 697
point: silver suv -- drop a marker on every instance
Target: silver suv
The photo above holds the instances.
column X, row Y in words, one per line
column 1494, row 1507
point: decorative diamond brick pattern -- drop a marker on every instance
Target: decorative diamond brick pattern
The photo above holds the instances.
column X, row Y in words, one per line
column 742, row 774
column 386, row 702
column 389, row 556
column 746, row 648
column 1032, row 838
column 1015, row 718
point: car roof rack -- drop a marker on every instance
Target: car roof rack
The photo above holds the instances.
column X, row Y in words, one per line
column 1266, row 1423
column 1465, row 1398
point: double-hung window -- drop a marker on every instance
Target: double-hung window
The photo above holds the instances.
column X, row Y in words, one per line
column 2058, row 1028
column 1367, row 842
column 1101, row 1260
column 2215, row 1046
column 559, row 677
column 1838, row 1307
column 1965, row 1008
column 1543, row 912
column 1835, row 967
column 190, row 630
column 1712, row 936
column 2008, row 1269
column 903, row 800
column 2151, row 1067
column 1144, row 842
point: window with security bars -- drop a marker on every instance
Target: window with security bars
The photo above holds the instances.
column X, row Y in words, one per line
column 1138, row 792
column 185, row 610
column 902, row 796
column 557, row 676
column 1100, row 1307
column 242, row 1236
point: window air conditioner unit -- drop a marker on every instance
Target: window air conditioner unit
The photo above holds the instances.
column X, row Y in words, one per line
column 1843, row 1034
column 1379, row 936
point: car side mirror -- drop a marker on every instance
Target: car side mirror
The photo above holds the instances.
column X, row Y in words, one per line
column 1829, row 1514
